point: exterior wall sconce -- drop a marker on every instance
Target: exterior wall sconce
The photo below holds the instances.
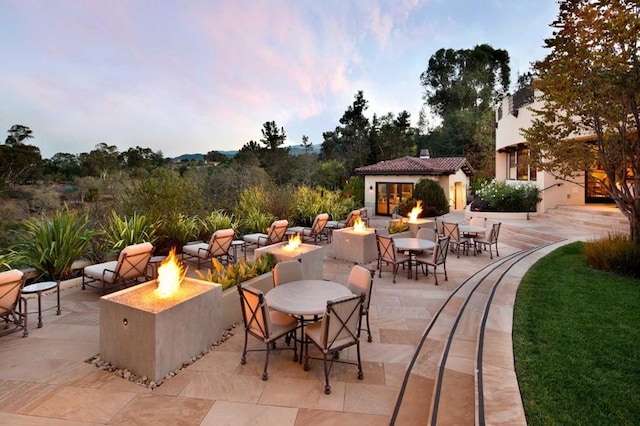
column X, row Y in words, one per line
column 370, row 187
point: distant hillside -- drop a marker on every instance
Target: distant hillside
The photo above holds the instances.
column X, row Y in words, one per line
column 293, row 150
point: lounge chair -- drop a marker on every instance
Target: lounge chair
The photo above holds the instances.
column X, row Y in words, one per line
column 347, row 223
column 338, row 330
column 131, row 266
column 316, row 232
column 276, row 234
column 218, row 247
column 13, row 307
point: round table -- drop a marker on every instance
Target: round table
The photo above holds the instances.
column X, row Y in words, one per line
column 305, row 297
column 413, row 246
column 471, row 230
column 38, row 288
column 155, row 262
column 243, row 246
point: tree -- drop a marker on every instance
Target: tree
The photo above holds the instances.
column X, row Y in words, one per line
column 272, row 136
column 19, row 164
column 101, row 161
column 463, row 86
column 590, row 84
column 216, row 157
column 17, row 134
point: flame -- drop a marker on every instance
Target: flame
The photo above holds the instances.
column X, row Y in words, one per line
column 413, row 214
column 293, row 244
column 358, row 226
column 170, row 275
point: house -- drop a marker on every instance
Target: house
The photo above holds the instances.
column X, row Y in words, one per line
column 513, row 115
column 390, row 182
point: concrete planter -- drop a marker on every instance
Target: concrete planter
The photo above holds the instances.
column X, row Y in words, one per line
column 403, row 234
column 231, row 313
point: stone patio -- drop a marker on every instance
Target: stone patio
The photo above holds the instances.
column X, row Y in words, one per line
column 45, row 379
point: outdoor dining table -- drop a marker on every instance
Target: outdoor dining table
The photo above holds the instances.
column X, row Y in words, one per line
column 471, row 230
column 413, row 246
column 304, row 298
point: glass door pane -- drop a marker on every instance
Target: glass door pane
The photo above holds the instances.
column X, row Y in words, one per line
column 382, row 199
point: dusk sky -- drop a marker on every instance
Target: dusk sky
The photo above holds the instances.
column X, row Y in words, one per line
column 195, row 76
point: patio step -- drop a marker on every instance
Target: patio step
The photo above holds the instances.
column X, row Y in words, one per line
column 468, row 329
column 525, row 238
column 597, row 218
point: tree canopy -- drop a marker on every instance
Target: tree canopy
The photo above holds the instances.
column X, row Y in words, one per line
column 590, row 90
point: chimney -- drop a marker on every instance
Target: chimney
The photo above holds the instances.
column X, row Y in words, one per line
column 424, row 153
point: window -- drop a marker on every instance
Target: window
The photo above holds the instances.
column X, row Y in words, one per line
column 517, row 168
column 389, row 195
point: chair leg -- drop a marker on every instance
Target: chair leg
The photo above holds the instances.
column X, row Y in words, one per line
column 327, row 388
column 497, row 254
column 265, row 376
column 435, row 274
column 369, row 339
column 243, row 360
column 360, row 372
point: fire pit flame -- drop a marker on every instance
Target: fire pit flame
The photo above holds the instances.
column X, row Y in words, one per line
column 170, row 276
column 358, row 226
column 413, row 214
column 293, row 244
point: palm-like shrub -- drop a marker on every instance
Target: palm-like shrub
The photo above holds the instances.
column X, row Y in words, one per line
column 234, row 274
column 256, row 221
column 306, row 204
column 175, row 231
column 52, row 246
column 125, row 231
column 252, row 210
column 217, row 219
column 434, row 201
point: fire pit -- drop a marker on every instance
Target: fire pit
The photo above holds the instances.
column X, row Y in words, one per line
column 310, row 256
column 152, row 332
column 415, row 223
column 357, row 244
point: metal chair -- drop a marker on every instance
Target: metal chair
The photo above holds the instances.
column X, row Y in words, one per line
column 287, row 271
column 360, row 281
column 317, row 231
column 276, row 234
column 388, row 254
column 218, row 247
column 489, row 240
column 457, row 241
column 264, row 324
column 131, row 266
column 338, row 329
column 439, row 257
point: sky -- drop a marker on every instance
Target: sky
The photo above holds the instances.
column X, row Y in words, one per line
column 195, row 76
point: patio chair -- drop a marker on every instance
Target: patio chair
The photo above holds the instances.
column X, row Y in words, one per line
column 13, row 307
column 439, row 257
column 347, row 223
column 360, row 281
column 489, row 240
column 287, row 271
column 457, row 241
column 264, row 324
column 316, row 232
column 388, row 254
column 131, row 266
column 276, row 235
column 218, row 247
column 338, row 329
column 479, row 222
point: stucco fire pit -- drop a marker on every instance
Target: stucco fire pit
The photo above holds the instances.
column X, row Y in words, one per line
column 152, row 336
column 355, row 246
column 309, row 255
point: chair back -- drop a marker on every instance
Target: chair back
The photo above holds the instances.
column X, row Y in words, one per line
column 319, row 223
column 287, row 271
column 341, row 323
column 350, row 220
column 426, row 234
column 439, row 229
column 386, row 248
column 221, row 242
column 478, row 221
column 277, row 231
column 255, row 314
column 133, row 261
column 452, row 231
column 493, row 234
column 11, row 283
column 360, row 281
column 440, row 251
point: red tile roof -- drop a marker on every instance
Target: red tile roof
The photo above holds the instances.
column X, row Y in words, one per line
column 418, row 166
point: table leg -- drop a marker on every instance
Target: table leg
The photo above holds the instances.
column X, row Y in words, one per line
column 39, row 310
column 58, row 312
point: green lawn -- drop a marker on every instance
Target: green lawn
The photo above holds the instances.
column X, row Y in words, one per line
column 576, row 343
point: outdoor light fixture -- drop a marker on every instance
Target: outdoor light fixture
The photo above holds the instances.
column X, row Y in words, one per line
column 370, row 187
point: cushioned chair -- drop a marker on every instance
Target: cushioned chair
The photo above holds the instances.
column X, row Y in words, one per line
column 287, row 271
column 360, row 281
column 439, row 257
column 276, row 234
column 338, row 329
column 388, row 254
column 264, row 324
column 129, row 269
column 13, row 307
column 347, row 223
column 457, row 241
column 480, row 222
column 218, row 247
column 489, row 240
column 317, row 231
